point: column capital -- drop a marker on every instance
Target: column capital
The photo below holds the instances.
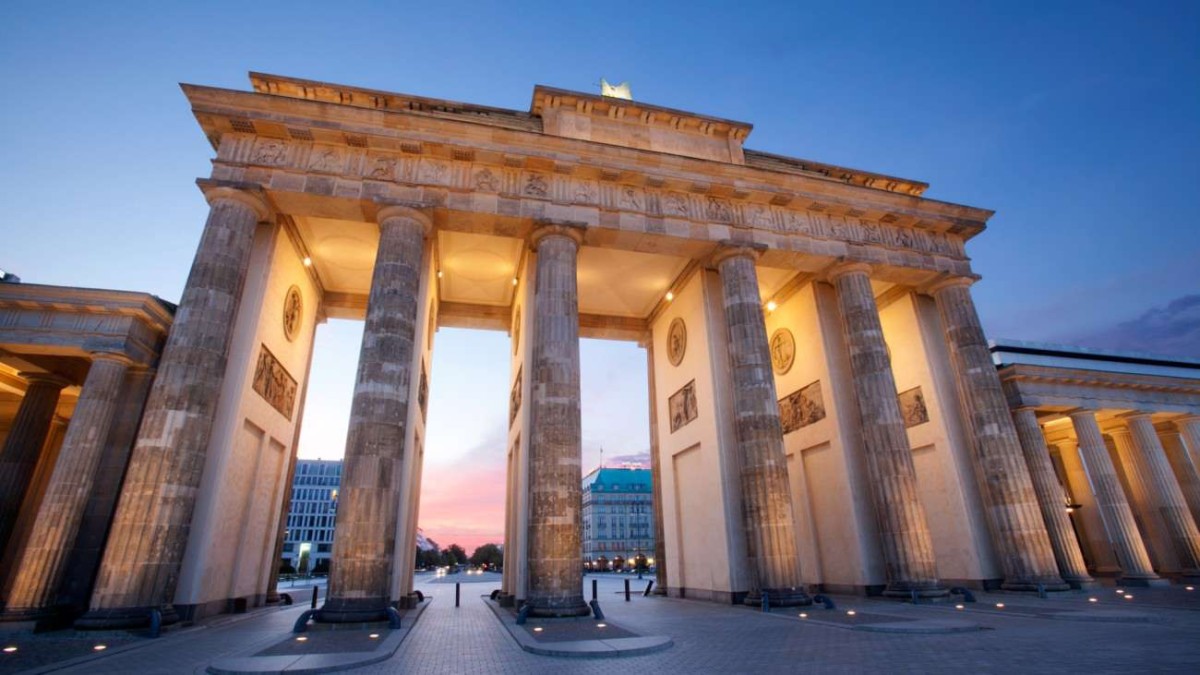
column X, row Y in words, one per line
column 410, row 212
column 844, row 267
column 1186, row 419
column 250, row 197
column 114, row 357
column 1135, row 415
column 733, row 249
column 45, row 378
column 543, row 228
column 951, row 282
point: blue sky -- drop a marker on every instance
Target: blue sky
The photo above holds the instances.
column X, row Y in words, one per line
column 1079, row 123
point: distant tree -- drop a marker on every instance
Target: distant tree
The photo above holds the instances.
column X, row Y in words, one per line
column 460, row 555
column 447, row 558
column 489, row 555
column 286, row 568
column 321, row 568
column 426, row 558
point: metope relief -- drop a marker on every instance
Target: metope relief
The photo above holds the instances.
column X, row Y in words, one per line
column 514, row 399
column 423, row 390
column 683, row 407
column 292, row 313
column 273, row 382
column 676, row 342
column 912, row 407
column 802, row 408
column 783, row 351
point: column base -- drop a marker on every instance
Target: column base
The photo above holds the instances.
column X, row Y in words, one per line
column 1143, row 582
column 924, row 589
column 779, row 597
column 1048, row 584
column 352, row 610
column 1082, row 583
column 272, row 597
column 31, row 615
column 124, row 618
column 572, row 606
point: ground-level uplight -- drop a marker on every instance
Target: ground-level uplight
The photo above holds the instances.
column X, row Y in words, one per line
column 10, row 649
column 803, row 615
column 958, row 607
column 538, row 629
column 374, row 636
column 1190, row 588
column 1093, row 600
column 999, row 605
column 601, row 625
column 850, row 612
column 302, row 638
column 99, row 648
column 1128, row 596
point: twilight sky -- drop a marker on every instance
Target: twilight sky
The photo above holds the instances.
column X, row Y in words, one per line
column 1079, row 123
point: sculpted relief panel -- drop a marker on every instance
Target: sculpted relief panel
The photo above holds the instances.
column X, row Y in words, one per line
column 661, row 202
column 273, row 382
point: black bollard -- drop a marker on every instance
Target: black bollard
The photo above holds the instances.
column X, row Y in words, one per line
column 593, row 589
column 314, row 600
column 649, row 585
column 626, row 590
column 457, row 593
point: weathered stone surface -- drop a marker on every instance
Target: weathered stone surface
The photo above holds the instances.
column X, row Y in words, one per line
column 42, row 561
column 660, row 544
column 150, row 528
column 25, row 439
column 1024, row 549
column 1050, row 498
column 904, row 533
column 766, row 494
column 1164, row 494
column 1110, row 497
column 370, row 496
column 555, row 436
column 1185, row 470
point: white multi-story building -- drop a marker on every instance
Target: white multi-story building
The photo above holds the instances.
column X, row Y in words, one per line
column 308, row 543
column 618, row 518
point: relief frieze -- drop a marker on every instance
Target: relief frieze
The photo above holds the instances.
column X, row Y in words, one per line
column 801, row 218
column 274, row 383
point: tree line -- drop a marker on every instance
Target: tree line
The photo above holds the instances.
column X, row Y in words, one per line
column 487, row 555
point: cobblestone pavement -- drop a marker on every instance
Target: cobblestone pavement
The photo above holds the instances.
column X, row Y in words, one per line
column 722, row 639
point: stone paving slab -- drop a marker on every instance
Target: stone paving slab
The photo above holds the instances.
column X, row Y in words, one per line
column 636, row 645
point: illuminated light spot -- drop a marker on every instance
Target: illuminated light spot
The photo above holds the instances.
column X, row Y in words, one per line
column 958, row 607
column 803, row 615
column 9, row 649
column 1128, row 597
column 99, row 648
column 302, row 638
column 514, row 281
column 1120, row 591
column 601, row 625
column 374, row 636
column 771, row 306
column 851, row 612
column 1093, row 600
column 670, row 296
column 439, row 274
column 1191, row 588
column 538, row 629
column 999, row 605
column 307, row 261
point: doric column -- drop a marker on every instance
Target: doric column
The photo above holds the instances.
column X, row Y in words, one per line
column 1164, row 494
column 39, row 568
column 1110, row 498
column 1051, row 499
column 25, row 439
column 372, row 472
column 1186, row 473
column 766, row 495
column 150, row 527
column 1022, row 543
column 907, row 546
column 1189, row 428
column 555, row 440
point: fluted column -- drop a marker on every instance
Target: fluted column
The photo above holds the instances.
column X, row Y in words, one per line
column 1185, row 470
column 1114, row 506
column 1189, row 428
column 150, row 527
column 39, row 568
column 1026, row 556
column 907, row 545
column 1164, row 494
column 766, row 495
column 372, row 473
column 555, row 437
column 1051, row 499
column 25, row 439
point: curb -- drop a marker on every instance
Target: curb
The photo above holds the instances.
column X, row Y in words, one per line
column 581, row 649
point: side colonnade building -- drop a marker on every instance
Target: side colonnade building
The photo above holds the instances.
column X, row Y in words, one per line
column 825, row 412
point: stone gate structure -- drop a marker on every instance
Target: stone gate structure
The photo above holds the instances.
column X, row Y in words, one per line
column 825, row 411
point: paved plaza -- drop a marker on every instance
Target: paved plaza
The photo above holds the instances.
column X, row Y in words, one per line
column 1157, row 630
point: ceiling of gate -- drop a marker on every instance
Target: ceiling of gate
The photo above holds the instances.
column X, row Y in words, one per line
column 478, row 269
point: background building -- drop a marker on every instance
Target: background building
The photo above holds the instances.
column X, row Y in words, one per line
column 618, row 518
column 308, row 544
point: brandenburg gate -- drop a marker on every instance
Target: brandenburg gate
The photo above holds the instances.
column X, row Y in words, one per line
column 825, row 411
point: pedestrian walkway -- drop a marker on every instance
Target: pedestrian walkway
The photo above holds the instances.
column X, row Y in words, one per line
column 710, row 637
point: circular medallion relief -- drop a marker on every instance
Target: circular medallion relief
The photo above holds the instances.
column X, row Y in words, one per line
column 292, row 316
column 783, row 350
column 676, row 342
